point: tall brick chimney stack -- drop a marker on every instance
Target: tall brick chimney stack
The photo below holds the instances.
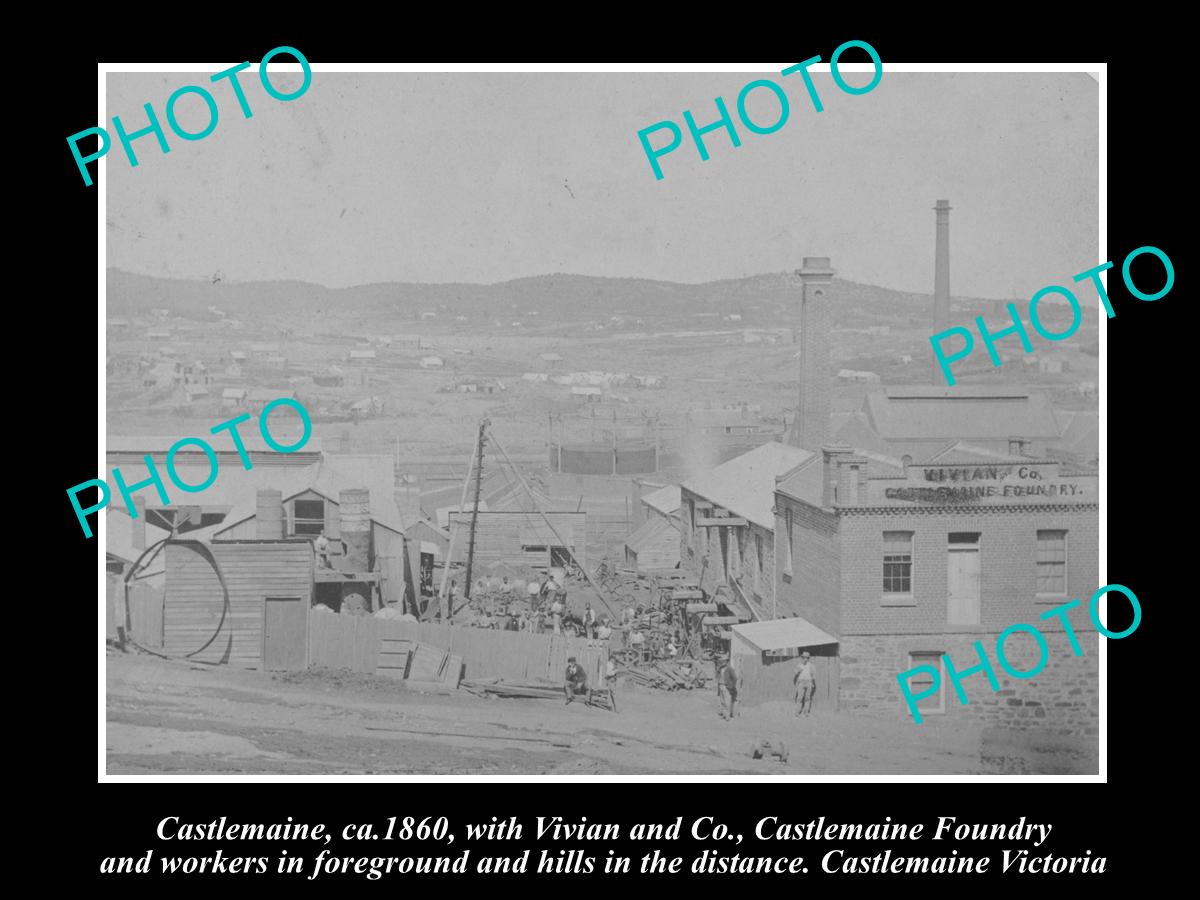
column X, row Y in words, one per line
column 812, row 418
column 941, row 277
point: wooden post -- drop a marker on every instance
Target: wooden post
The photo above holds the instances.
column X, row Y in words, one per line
column 475, row 509
column 445, row 612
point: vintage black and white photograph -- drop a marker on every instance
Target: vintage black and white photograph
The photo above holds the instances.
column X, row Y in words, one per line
column 444, row 437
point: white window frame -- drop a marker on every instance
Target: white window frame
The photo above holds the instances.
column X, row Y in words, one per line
column 1066, row 539
column 901, row 599
column 308, row 520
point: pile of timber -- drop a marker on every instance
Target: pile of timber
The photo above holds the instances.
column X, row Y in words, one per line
column 499, row 687
column 668, row 675
column 628, row 587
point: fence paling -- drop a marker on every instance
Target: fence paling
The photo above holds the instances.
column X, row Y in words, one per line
column 353, row 642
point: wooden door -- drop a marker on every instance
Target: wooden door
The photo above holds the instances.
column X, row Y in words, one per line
column 285, row 634
column 963, row 578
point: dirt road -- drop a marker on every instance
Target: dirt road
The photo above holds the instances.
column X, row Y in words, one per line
column 170, row 717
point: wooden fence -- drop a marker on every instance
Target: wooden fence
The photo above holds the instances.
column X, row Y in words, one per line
column 765, row 679
column 353, row 642
column 146, row 615
column 143, row 615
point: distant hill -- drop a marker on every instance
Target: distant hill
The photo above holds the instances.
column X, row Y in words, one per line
column 557, row 297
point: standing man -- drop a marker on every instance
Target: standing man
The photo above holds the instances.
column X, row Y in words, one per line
column 805, row 680
column 556, row 614
column 576, row 681
column 729, row 684
column 589, row 620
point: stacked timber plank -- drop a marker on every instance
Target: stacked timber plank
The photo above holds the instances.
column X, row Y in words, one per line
column 499, row 687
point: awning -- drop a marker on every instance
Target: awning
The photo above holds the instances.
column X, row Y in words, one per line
column 780, row 634
column 429, row 547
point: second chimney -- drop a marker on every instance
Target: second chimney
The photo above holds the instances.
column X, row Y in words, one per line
column 844, row 476
column 941, row 276
column 812, row 417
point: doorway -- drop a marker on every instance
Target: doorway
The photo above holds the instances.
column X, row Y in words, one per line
column 963, row 579
column 285, row 634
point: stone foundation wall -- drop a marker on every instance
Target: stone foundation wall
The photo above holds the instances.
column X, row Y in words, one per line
column 1063, row 698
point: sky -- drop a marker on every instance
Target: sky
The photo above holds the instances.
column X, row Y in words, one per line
column 470, row 177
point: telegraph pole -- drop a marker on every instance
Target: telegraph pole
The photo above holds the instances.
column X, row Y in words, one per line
column 479, row 445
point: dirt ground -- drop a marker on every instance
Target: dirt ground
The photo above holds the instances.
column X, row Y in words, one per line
column 172, row 717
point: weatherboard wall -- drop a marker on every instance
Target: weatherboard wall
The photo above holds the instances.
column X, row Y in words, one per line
column 195, row 619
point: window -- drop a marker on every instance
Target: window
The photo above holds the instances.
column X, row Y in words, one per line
column 897, row 562
column 308, row 517
column 787, row 545
column 1052, row 563
column 922, row 681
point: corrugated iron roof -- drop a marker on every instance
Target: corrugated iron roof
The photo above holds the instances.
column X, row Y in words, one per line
column 970, row 412
column 782, row 634
column 745, row 485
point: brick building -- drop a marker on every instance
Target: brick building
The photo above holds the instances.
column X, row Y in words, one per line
column 905, row 568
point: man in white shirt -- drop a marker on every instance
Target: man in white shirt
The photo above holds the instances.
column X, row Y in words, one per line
column 805, row 680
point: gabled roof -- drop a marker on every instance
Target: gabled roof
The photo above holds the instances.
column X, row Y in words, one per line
column 970, row 412
column 745, row 485
column 804, row 482
column 327, row 478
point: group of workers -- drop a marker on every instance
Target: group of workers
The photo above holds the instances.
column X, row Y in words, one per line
column 544, row 608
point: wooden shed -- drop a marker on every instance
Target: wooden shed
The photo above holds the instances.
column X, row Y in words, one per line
column 654, row 545
column 258, row 619
column 767, row 653
column 523, row 538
